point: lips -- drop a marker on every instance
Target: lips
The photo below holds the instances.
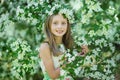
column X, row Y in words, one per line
column 59, row 31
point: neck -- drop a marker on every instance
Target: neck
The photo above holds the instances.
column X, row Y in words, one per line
column 58, row 40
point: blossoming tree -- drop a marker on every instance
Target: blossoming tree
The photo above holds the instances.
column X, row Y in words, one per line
column 94, row 23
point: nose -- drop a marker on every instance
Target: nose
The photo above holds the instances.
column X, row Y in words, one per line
column 59, row 26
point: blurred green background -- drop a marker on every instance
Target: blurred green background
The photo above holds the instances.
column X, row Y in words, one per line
column 21, row 25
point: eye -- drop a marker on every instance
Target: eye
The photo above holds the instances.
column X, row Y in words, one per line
column 63, row 23
column 55, row 23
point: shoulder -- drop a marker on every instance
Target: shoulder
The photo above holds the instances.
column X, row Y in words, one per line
column 44, row 46
column 44, row 49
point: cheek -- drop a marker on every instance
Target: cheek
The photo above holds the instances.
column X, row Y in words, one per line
column 52, row 28
column 65, row 28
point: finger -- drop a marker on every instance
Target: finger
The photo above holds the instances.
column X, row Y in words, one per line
column 84, row 51
column 84, row 46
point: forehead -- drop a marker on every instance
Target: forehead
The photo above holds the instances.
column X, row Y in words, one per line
column 59, row 17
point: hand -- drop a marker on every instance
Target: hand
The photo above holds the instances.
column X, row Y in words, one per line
column 85, row 50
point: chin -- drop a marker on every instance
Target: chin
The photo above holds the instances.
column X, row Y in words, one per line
column 59, row 35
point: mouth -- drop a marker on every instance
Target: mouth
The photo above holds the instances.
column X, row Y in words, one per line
column 59, row 31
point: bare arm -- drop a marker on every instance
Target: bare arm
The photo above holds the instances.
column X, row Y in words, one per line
column 45, row 55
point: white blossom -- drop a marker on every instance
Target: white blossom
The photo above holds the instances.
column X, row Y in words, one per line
column 68, row 55
column 116, row 18
column 111, row 10
column 94, row 67
column 0, row 54
column 77, row 70
column 19, row 10
column 91, row 33
column 106, row 21
column 70, row 59
column 88, row 2
column 77, row 4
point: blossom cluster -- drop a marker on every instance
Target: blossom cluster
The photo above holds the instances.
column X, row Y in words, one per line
column 22, row 51
column 59, row 9
column 95, row 24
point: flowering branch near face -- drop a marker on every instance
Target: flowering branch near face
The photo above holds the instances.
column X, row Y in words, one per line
column 59, row 9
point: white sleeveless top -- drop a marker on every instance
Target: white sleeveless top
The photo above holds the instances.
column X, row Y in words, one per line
column 56, row 62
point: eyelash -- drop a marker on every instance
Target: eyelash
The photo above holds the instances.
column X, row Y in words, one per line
column 63, row 23
column 57, row 23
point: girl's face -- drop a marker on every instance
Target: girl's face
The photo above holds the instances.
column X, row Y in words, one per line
column 59, row 25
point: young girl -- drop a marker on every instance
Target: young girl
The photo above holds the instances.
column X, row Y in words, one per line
column 57, row 29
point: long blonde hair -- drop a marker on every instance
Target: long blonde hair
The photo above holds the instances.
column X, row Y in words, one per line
column 67, row 37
